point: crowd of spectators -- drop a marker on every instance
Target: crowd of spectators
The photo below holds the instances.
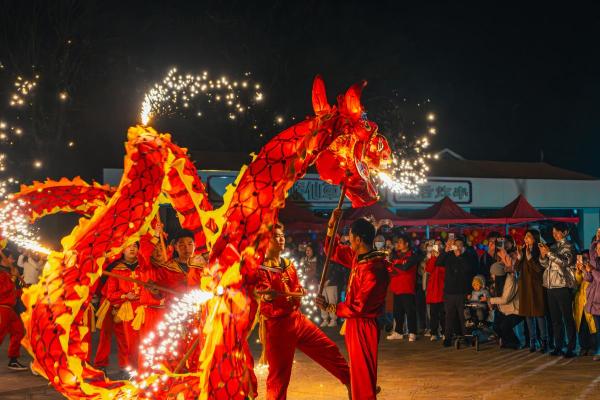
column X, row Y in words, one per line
column 543, row 296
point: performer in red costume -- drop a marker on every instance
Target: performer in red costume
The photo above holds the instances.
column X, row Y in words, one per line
column 10, row 323
column 182, row 273
column 365, row 299
column 286, row 328
column 117, row 311
column 187, row 268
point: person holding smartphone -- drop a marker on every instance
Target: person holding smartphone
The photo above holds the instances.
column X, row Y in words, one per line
column 459, row 267
column 532, row 301
column 434, row 294
column 489, row 257
column 558, row 262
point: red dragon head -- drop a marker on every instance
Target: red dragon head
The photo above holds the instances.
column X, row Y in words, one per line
column 358, row 148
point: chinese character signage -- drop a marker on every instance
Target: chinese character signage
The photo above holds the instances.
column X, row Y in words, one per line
column 436, row 189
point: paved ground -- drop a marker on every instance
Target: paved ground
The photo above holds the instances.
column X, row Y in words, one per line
column 421, row 370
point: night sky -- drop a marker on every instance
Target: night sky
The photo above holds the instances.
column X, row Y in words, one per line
column 505, row 82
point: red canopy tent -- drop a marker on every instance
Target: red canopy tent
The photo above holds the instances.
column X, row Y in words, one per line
column 521, row 211
column 296, row 218
column 443, row 212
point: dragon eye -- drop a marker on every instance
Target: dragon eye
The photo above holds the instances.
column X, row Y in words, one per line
column 367, row 126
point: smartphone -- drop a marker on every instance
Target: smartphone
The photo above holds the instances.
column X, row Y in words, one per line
column 451, row 236
column 499, row 243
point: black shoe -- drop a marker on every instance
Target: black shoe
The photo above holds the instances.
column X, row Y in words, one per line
column 556, row 352
column 447, row 343
column 583, row 352
column 15, row 365
column 544, row 346
column 569, row 354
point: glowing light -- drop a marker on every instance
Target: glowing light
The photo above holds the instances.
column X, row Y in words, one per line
column 63, row 96
column 71, row 144
column 178, row 91
column 308, row 300
column 279, row 120
column 14, row 226
column 37, row 164
column 159, row 346
column 408, row 168
column 23, row 88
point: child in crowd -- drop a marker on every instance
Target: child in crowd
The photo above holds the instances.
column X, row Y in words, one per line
column 478, row 300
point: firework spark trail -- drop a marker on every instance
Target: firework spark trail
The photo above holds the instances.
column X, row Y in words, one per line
column 309, row 307
column 14, row 224
column 163, row 344
column 180, row 91
column 408, row 172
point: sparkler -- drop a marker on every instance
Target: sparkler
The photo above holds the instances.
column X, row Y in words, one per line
column 165, row 341
column 180, row 91
column 308, row 305
column 14, row 224
column 409, row 167
column 15, row 227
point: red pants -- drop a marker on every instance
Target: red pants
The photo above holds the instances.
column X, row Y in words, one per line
column 362, row 339
column 11, row 323
column 283, row 336
column 127, row 342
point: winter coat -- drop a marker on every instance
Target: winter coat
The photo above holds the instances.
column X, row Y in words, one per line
column 508, row 303
column 403, row 273
column 559, row 266
column 435, row 282
column 459, row 272
column 592, row 303
column 531, row 291
column 579, row 303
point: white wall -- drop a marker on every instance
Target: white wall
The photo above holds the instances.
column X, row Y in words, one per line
column 541, row 193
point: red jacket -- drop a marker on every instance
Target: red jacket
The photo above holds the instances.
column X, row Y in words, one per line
column 147, row 298
column 404, row 273
column 271, row 276
column 367, row 285
column 180, row 277
column 435, row 282
column 115, row 289
column 8, row 291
